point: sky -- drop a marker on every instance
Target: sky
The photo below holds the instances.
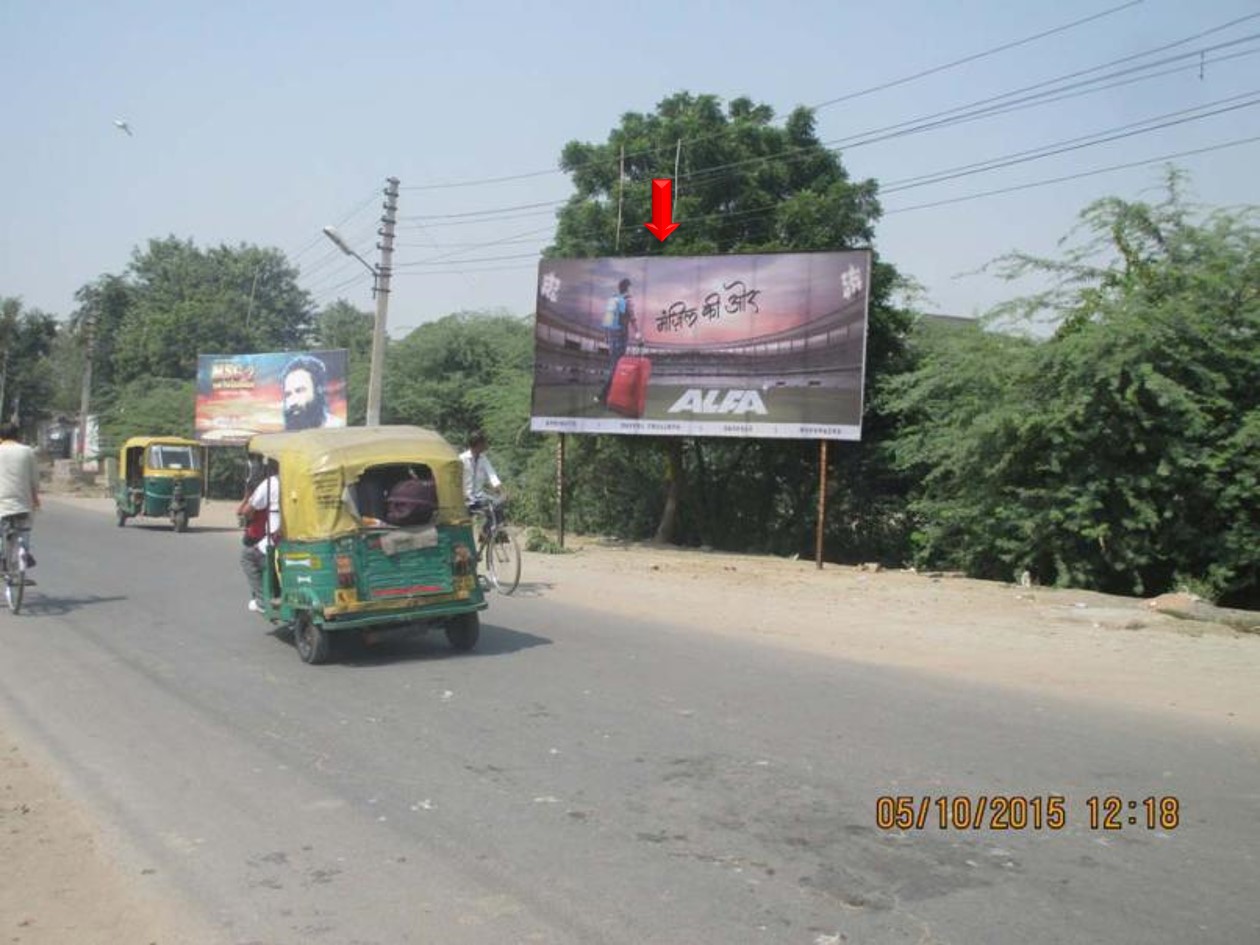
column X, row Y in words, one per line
column 260, row 123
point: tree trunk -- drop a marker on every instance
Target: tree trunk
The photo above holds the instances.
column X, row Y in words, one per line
column 673, row 491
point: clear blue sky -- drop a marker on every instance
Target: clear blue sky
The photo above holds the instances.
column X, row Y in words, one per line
column 261, row 122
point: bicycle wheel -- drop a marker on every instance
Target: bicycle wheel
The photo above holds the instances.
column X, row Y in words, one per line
column 503, row 560
column 14, row 576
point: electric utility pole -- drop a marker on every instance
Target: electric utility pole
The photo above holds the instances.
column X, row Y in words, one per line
column 383, row 272
column 89, row 350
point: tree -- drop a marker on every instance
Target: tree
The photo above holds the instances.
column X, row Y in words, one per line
column 187, row 301
column 466, row 371
column 743, row 185
column 341, row 325
column 1121, row 453
column 103, row 307
column 157, row 406
column 26, row 380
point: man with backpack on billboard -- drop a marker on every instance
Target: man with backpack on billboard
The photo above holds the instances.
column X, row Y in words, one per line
column 618, row 317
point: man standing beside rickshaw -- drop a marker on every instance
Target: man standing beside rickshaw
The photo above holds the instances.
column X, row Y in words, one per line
column 264, row 497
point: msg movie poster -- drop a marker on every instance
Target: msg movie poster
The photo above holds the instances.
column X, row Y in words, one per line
column 239, row 395
column 758, row 345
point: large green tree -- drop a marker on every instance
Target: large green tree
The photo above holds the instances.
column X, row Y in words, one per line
column 1123, row 452
column 744, row 184
column 465, row 371
column 187, row 301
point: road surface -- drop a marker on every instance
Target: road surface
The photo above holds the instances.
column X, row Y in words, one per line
column 594, row 777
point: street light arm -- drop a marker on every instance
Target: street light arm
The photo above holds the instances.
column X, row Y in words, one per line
column 332, row 234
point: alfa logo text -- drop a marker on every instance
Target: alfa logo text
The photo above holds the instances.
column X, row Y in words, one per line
column 697, row 400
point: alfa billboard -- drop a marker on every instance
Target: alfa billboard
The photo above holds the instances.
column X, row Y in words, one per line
column 239, row 395
column 759, row 345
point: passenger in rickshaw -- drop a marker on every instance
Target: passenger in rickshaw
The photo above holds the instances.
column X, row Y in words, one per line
column 254, row 557
column 399, row 495
column 411, row 501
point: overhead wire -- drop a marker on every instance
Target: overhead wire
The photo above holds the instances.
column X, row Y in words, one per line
column 1074, row 144
column 994, row 105
column 349, row 215
column 972, row 58
column 507, row 178
column 1146, row 162
column 1132, row 129
column 981, row 108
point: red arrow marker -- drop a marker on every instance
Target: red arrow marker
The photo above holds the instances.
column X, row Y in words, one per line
column 662, row 208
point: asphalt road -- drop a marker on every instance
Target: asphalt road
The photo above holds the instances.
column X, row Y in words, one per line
column 585, row 778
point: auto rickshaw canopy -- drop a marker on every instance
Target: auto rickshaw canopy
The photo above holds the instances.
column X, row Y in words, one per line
column 317, row 466
column 143, row 444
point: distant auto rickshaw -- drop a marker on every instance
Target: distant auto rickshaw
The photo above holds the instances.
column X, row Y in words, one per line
column 160, row 477
column 374, row 537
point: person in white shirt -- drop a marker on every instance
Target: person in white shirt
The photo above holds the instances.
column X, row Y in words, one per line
column 19, row 483
column 265, row 495
column 478, row 472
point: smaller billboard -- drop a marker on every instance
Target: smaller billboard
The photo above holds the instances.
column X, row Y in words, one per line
column 239, row 395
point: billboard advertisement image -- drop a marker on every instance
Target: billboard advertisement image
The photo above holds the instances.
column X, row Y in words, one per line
column 239, row 395
column 757, row 345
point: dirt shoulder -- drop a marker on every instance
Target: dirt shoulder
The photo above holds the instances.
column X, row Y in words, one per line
column 58, row 884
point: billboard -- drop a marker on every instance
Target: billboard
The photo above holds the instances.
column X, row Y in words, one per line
column 239, row 395
column 757, row 345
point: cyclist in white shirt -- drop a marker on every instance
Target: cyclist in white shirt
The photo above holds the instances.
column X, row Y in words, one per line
column 478, row 472
column 19, row 483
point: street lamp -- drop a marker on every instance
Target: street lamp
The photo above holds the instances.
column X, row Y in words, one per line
column 380, row 289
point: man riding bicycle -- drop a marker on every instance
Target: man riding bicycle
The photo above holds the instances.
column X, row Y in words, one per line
column 19, row 483
column 478, row 472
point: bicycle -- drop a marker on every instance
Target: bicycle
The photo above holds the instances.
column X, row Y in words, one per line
column 498, row 547
column 13, row 562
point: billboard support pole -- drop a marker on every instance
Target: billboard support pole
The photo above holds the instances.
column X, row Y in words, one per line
column 822, row 502
column 560, row 486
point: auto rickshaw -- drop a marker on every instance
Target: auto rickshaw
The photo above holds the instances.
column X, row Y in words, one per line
column 160, row 477
column 346, row 560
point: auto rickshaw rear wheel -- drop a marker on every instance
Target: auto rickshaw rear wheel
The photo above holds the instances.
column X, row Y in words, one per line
column 312, row 641
column 462, row 631
column 122, row 518
column 180, row 521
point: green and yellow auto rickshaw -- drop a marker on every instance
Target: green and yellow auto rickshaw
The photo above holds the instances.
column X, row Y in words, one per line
column 374, row 536
column 160, row 477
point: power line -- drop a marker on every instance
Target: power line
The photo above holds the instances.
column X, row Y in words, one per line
column 1052, row 149
column 1069, row 177
column 317, row 240
column 463, row 272
column 950, row 201
column 333, row 290
column 972, row 58
column 1072, row 144
column 475, row 259
column 477, row 213
column 956, row 115
column 506, row 178
column 487, row 244
column 459, row 246
column 972, row 111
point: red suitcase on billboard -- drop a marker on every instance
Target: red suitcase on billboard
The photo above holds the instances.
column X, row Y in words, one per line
column 627, row 394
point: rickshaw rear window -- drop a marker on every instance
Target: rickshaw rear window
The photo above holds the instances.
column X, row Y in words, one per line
column 174, row 457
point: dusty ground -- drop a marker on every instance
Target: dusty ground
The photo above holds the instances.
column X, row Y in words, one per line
column 58, row 883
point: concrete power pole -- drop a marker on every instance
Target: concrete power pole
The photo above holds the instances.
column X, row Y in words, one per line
column 383, row 272
column 89, row 350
